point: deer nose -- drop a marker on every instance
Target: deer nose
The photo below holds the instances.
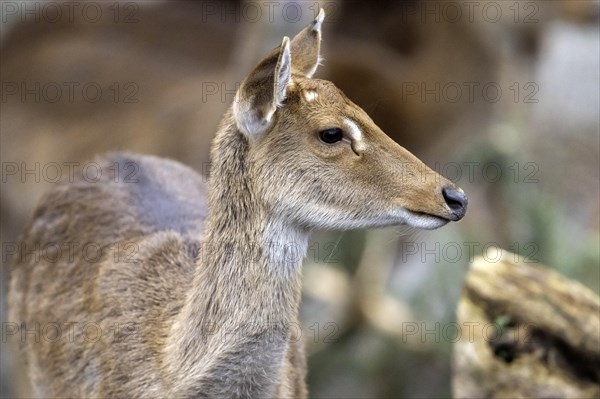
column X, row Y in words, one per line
column 456, row 201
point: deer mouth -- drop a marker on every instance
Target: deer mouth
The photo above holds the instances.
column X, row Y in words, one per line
column 424, row 220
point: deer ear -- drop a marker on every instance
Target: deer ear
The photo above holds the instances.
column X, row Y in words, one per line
column 306, row 46
column 263, row 91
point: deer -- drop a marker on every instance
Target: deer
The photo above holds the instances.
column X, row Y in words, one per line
column 195, row 284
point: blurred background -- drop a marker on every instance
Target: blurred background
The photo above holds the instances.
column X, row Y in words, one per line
column 501, row 97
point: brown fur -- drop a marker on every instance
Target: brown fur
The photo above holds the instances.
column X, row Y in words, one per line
column 196, row 293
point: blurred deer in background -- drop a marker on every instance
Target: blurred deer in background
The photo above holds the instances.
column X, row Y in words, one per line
column 202, row 299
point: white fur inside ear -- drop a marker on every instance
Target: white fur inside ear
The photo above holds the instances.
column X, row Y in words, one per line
column 253, row 112
column 319, row 20
column 248, row 120
column 283, row 72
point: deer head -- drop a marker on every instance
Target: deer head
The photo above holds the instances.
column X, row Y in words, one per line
column 318, row 160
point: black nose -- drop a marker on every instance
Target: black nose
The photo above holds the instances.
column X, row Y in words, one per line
column 456, row 201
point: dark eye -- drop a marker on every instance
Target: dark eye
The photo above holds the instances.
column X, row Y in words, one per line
column 331, row 136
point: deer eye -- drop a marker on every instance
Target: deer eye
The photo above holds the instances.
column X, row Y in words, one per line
column 331, row 136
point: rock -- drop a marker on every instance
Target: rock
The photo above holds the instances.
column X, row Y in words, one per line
column 526, row 332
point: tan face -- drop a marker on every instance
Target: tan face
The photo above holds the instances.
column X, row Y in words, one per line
column 318, row 160
column 325, row 164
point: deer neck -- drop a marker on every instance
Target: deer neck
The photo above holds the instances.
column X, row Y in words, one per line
column 245, row 292
column 245, row 244
column 248, row 275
